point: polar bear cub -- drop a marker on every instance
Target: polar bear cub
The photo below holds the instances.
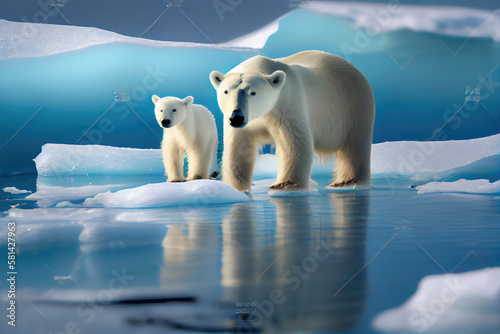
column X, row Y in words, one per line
column 187, row 128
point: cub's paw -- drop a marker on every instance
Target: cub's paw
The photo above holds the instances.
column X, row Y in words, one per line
column 287, row 185
column 176, row 181
column 349, row 183
column 196, row 177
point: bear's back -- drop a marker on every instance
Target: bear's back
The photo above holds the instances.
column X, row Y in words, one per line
column 204, row 121
column 261, row 65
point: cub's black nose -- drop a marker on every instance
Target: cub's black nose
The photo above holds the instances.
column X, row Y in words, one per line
column 165, row 123
column 236, row 121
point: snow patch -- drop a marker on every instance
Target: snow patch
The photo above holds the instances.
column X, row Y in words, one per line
column 461, row 186
column 451, row 303
column 195, row 193
column 15, row 191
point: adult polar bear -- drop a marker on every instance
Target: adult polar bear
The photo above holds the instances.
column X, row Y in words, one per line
column 309, row 102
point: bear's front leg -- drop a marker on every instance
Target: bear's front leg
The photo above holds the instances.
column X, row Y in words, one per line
column 173, row 160
column 238, row 158
column 294, row 150
column 199, row 160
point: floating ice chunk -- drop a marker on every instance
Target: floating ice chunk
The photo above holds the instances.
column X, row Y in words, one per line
column 49, row 195
column 412, row 157
column 60, row 160
column 449, row 303
column 15, row 191
column 194, row 193
column 461, row 186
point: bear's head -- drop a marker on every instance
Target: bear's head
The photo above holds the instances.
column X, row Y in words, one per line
column 171, row 111
column 244, row 97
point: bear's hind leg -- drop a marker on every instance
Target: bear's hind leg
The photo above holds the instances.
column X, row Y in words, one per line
column 199, row 164
column 351, row 169
column 295, row 157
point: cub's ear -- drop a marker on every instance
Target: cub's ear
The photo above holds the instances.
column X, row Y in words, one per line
column 188, row 100
column 216, row 78
column 155, row 98
column 277, row 79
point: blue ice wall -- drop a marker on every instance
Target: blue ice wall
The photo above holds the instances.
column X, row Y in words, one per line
column 101, row 95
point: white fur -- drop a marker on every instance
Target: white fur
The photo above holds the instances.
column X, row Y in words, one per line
column 309, row 102
column 193, row 131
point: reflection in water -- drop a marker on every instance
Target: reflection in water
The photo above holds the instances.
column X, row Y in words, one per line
column 129, row 249
column 244, row 255
column 300, row 283
column 191, row 253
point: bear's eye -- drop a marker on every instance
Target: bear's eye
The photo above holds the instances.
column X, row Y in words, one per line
column 225, row 92
column 253, row 93
column 161, row 110
column 173, row 110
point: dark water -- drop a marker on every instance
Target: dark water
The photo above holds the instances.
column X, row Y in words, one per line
column 327, row 263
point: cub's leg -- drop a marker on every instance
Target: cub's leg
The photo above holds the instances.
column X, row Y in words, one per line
column 173, row 160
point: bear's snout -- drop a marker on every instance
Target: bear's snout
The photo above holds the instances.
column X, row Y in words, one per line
column 237, row 119
column 165, row 123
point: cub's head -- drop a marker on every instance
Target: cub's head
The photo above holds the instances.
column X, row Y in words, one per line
column 244, row 97
column 171, row 111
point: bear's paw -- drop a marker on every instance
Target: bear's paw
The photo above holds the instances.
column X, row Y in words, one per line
column 350, row 183
column 287, row 185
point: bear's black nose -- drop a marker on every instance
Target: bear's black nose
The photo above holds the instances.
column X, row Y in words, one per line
column 236, row 120
column 165, row 123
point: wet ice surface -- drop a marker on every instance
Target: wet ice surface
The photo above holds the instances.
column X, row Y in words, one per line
column 325, row 263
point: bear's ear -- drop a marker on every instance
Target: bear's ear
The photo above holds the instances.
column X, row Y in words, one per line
column 155, row 98
column 188, row 100
column 277, row 79
column 216, row 78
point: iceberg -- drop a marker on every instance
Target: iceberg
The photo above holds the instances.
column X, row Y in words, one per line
column 392, row 16
column 29, row 40
column 448, row 303
column 461, row 186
